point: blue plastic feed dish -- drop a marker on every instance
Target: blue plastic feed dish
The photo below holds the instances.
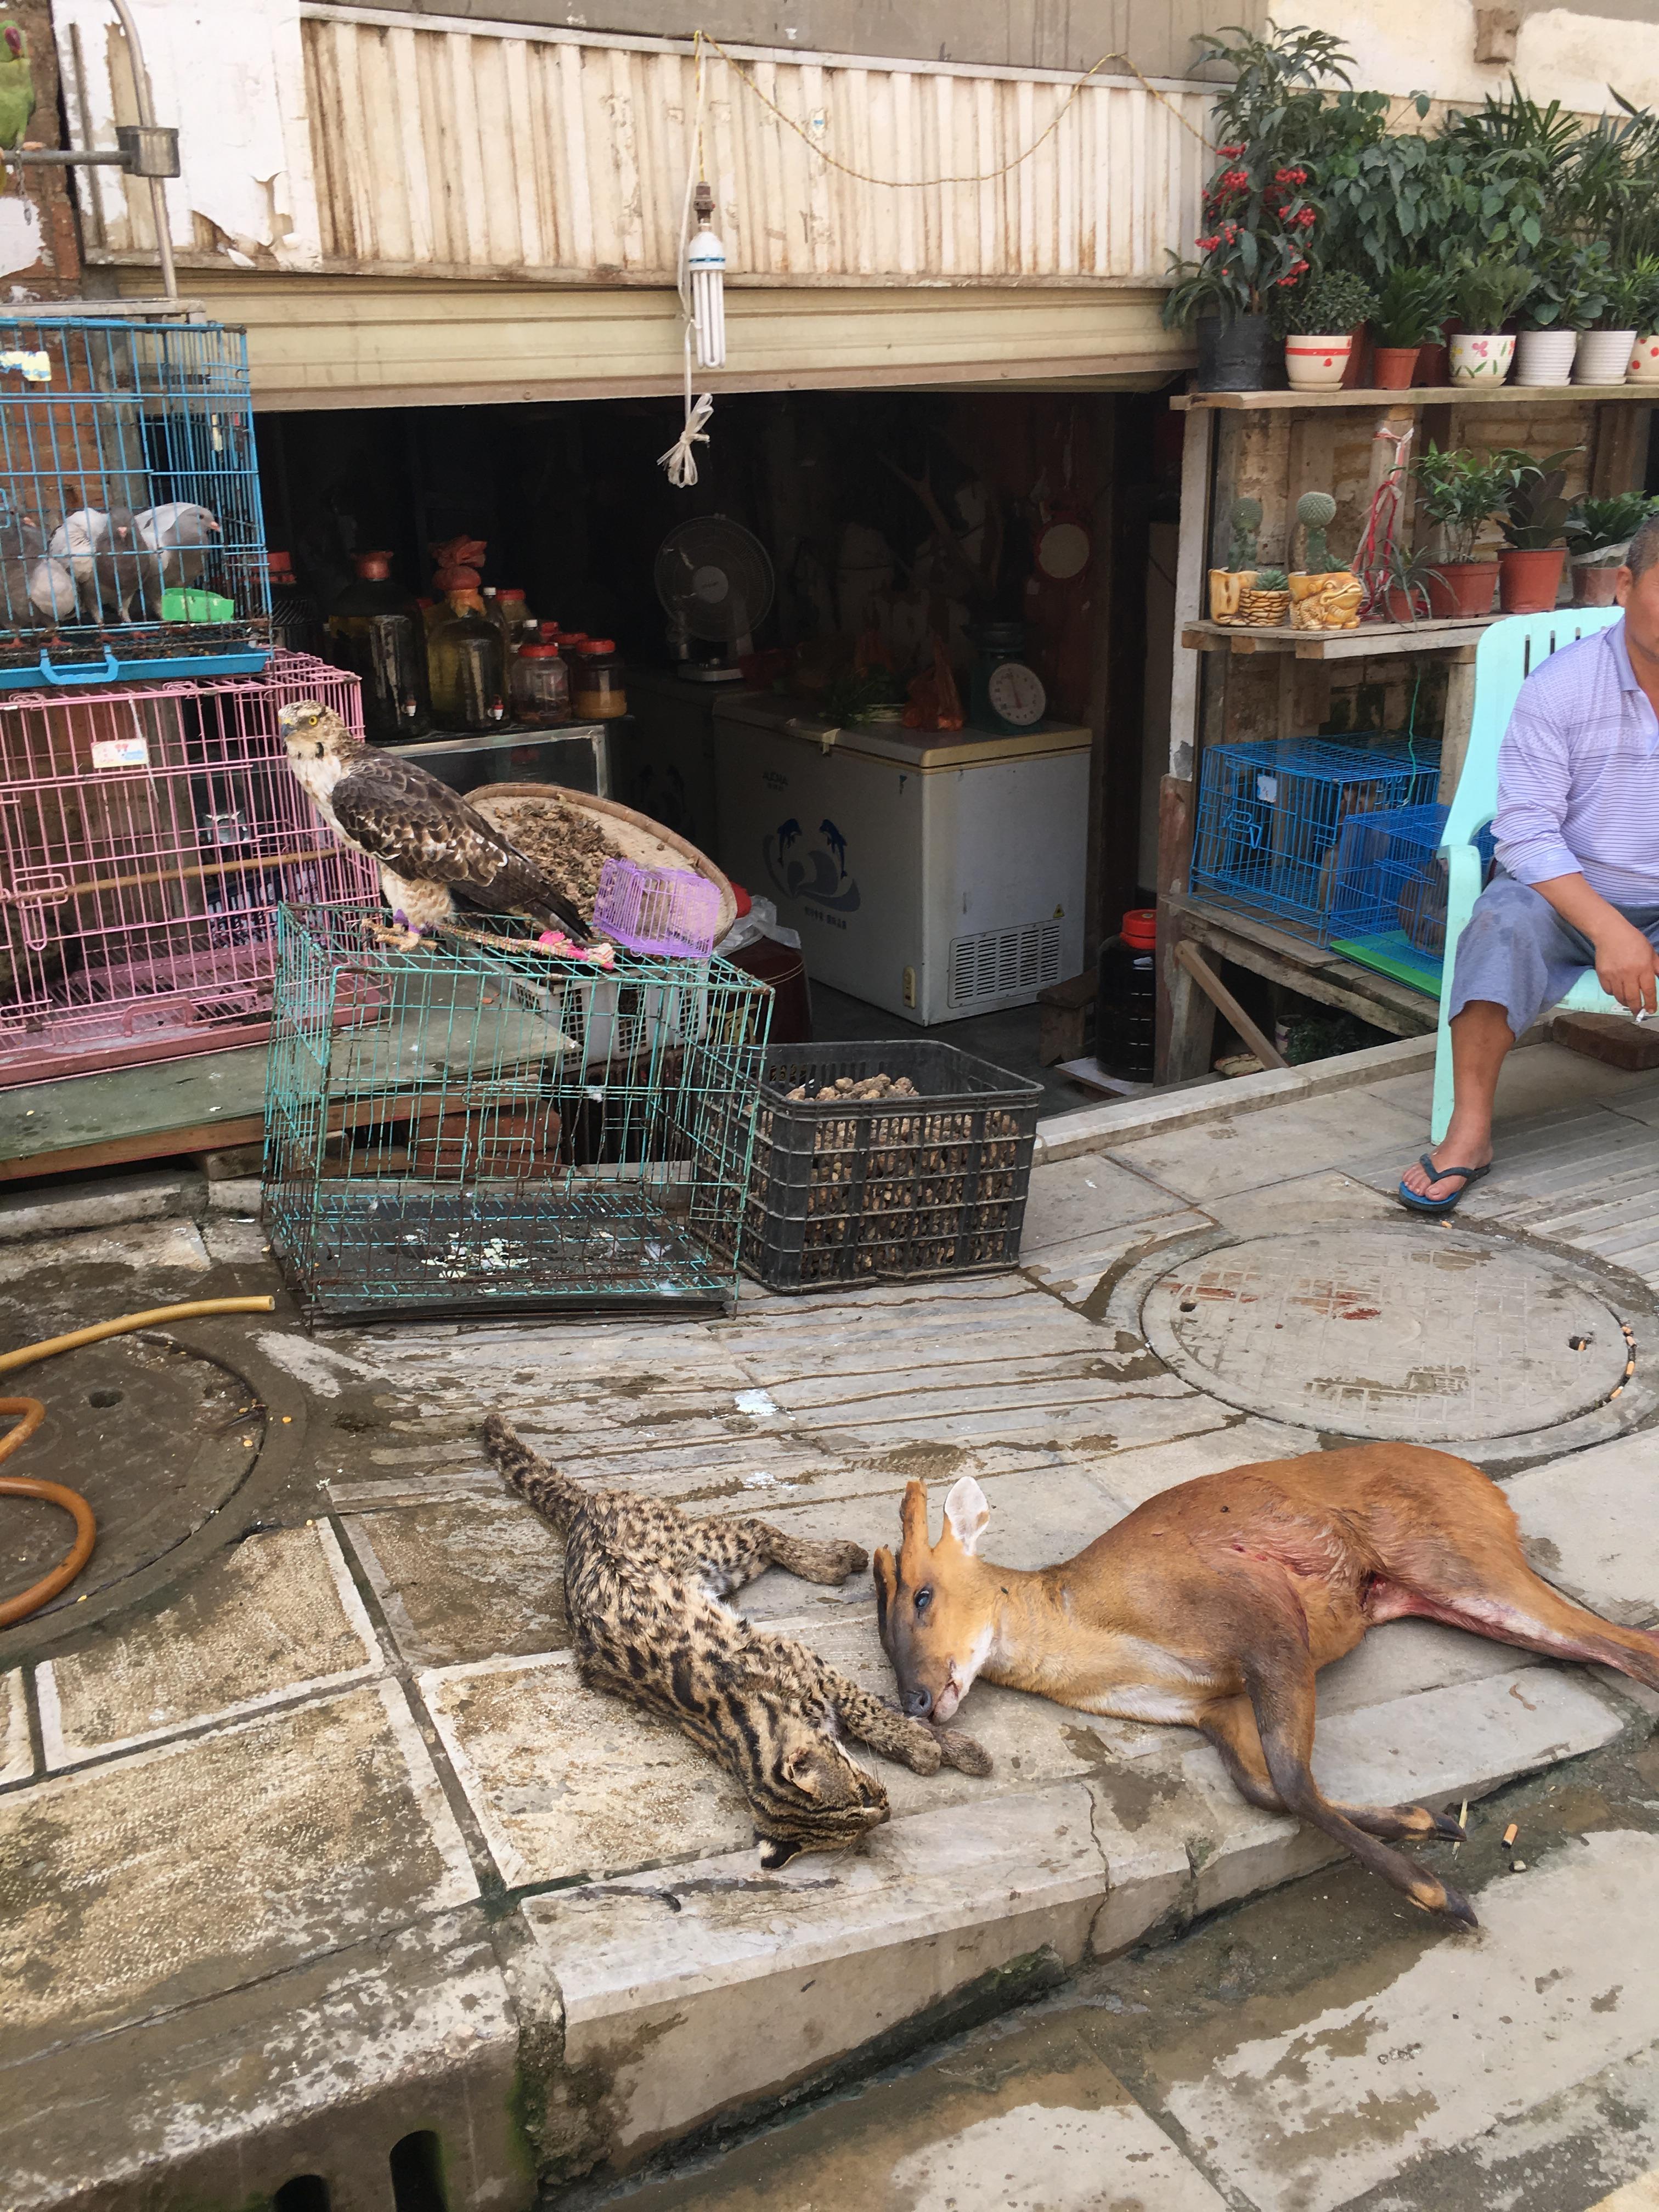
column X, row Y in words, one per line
column 130, row 529
column 1272, row 818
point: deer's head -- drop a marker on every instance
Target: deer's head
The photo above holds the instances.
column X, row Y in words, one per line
column 933, row 1602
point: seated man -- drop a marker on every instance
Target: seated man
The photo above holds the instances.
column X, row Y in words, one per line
column 1578, row 880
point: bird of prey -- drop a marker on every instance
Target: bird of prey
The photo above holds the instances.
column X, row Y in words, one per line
column 432, row 848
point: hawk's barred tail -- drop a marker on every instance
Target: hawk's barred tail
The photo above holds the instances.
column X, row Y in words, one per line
column 554, row 1496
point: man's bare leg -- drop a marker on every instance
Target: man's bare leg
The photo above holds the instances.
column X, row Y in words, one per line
column 1480, row 1039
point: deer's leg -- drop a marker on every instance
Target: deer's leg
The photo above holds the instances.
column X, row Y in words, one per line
column 1231, row 1726
column 733, row 1552
column 1498, row 1594
column 1279, row 1676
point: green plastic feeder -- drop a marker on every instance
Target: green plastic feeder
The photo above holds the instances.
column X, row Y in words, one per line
column 197, row 607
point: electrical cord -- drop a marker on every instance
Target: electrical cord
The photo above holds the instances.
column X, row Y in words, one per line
column 31, row 1413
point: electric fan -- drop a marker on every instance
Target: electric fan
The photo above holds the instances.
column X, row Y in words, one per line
column 715, row 579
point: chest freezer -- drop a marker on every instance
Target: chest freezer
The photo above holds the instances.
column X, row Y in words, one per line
column 933, row 874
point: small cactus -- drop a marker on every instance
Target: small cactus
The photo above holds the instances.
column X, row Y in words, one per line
column 1246, row 521
column 1272, row 580
column 1315, row 511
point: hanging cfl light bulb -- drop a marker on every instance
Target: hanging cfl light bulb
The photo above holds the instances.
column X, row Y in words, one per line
column 705, row 264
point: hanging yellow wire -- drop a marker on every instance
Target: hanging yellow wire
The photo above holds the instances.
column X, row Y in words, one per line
column 702, row 37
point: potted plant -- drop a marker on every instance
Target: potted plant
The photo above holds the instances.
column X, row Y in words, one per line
column 1260, row 222
column 1568, row 296
column 1604, row 347
column 1410, row 310
column 1599, row 531
column 1319, row 318
column 1228, row 585
column 1323, row 596
column 1642, row 304
column 1416, row 584
column 1460, row 494
column 1533, row 521
column 1486, row 293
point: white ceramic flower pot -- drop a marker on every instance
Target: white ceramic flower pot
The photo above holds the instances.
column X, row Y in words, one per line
column 1481, row 356
column 1643, row 367
column 1603, row 356
column 1545, row 357
column 1318, row 364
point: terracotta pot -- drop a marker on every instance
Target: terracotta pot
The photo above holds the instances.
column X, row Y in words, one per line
column 1595, row 587
column 1356, row 376
column 1481, row 357
column 1462, row 587
column 1399, row 605
column 1644, row 360
column 1544, row 357
column 1603, row 356
column 1529, row 581
column 1394, row 367
column 1316, row 363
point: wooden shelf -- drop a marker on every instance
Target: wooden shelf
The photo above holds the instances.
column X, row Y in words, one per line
column 1422, row 395
column 1312, row 969
column 1369, row 641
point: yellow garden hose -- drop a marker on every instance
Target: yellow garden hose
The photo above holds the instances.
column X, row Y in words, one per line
column 33, row 1413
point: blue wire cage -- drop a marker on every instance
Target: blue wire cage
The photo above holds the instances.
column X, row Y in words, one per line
column 475, row 1126
column 1389, row 902
column 1272, row 816
column 132, row 540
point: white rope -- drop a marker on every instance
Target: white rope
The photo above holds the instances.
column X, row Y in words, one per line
column 680, row 460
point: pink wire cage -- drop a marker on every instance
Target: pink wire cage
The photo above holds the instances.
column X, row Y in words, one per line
column 147, row 838
column 673, row 912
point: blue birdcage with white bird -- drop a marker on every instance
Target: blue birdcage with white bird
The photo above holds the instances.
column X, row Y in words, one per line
column 131, row 538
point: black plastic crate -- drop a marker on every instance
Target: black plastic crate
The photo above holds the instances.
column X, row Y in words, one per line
column 887, row 1190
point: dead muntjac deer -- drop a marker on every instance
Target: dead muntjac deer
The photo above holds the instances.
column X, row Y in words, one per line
column 1215, row 1604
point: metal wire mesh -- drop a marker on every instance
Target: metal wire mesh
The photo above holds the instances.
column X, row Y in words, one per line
column 1389, row 900
column 116, row 437
column 1271, row 816
column 147, row 838
column 477, row 1127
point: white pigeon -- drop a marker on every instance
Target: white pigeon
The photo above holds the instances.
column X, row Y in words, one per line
column 178, row 533
column 79, row 540
column 52, row 589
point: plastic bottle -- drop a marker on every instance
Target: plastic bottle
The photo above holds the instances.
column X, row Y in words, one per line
column 539, row 685
column 598, row 693
column 296, row 625
column 1126, row 1003
column 466, row 658
column 374, row 629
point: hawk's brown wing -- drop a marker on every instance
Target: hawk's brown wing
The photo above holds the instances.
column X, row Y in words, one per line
column 410, row 822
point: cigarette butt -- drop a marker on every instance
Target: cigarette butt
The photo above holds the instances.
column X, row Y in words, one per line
column 1509, row 1834
column 1462, row 1822
column 287, row 1418
column 1619, row 1393
column 1630, row 1369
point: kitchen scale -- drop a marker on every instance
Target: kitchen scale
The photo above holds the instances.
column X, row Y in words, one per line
column 1004, row 693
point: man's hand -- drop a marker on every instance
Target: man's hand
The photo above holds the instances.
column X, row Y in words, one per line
column 1627, row 967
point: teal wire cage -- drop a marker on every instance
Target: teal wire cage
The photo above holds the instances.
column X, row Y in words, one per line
column 131, row 537
column 475, row 1127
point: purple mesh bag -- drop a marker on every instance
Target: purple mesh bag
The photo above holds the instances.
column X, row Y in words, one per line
column 670, row 911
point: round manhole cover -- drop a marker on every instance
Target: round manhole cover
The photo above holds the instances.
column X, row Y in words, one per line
column 1387, row 1332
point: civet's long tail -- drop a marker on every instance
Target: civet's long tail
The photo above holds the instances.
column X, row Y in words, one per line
column 554, row 1496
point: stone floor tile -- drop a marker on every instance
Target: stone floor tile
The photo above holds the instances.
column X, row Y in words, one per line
column 1533, row 1081
column 1463, row 2055
column 276, row 1614
column 464, row 1579
column 164, row 1878
column 1314, row 1201
column 16, row 1759
column 1404, row 1656
column 1590, row 1523
column 1082, row 1197
column 161, row 1247
column 1283, row 1144
column 690, row 1992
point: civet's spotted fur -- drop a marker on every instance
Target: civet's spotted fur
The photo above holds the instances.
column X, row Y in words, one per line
column 642, row 1581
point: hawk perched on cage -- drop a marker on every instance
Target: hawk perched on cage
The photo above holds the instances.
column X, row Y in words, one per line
column 431, row 846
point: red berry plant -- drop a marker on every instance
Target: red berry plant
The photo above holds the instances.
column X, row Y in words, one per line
column 1261, row 223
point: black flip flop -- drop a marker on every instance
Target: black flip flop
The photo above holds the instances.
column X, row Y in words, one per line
column 1418, row 1204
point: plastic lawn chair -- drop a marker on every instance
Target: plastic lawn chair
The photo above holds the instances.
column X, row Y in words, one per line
column 1506, row 656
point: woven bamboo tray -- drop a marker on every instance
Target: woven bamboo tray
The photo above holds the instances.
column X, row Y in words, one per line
column 635, row 836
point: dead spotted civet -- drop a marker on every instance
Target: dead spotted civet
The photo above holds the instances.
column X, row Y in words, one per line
column 642, row 1581
column 1213, row 1605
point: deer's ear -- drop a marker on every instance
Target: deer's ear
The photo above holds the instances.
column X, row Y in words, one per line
column 966, row 1512
column 886, row 1591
